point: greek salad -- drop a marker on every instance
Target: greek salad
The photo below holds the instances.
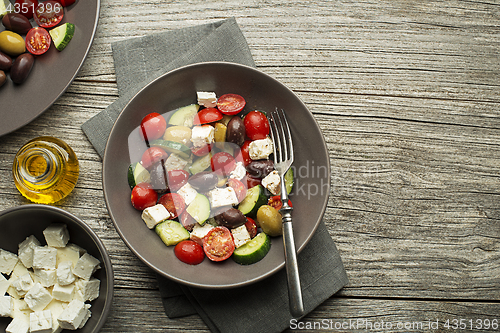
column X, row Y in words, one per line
column 206, row 183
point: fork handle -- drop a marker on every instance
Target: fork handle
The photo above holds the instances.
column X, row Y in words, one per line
column 292, row 268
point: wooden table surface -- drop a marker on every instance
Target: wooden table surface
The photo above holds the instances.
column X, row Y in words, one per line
column 407, row 96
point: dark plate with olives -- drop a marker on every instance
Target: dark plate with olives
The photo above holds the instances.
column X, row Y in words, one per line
column 52, row 72
column 309, row 194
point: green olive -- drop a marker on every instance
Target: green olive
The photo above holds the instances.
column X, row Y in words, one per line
column 180, row 134
column 270, row 220
column 12, row 43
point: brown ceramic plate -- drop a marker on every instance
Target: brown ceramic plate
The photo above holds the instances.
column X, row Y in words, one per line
column 20, row 222
column 52, row 72
column 262, row 92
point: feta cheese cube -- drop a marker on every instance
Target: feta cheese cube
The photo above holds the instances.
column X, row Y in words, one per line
column 56, row 235
column 239, row 171
column 207, row 99
column 18, row 325
column 25, row 252
column 202, row 135
column 19, row 270
column 12, row 291
column 86, row 266
column 46, row 277
column 65, row 274
column 174, row 162
column 241, row 236
column 44, row 257
column 78, row 248
column 272, row 182
column 21, row 310
column 87, row 316
column 154, row 215
column 6, row 306
column 8, row 261
column 200, row 231
column 260, row 149
column 56, row 307
column 4, row 285
column 41, row 322
column 23, row 284
column 63, row 293
column 220, row 197
column 89, row 289
column 73, row 315
column 37, row 297
column 68, row 253
column 188, row 193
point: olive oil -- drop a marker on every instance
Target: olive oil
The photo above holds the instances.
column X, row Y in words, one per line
column 45, row 170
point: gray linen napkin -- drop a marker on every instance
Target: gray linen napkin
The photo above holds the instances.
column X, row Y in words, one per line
column 260, row 307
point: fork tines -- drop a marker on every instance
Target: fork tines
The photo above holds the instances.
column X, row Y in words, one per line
column 282, row 140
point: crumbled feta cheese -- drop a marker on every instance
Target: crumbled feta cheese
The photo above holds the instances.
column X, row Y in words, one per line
column 200, row 231
column 220, row 197
column 272, row 182
column 44, row 257
column 25, row 252
column 260, row 149
column 202, row 135
column 23, row 284
column 37, row 297
column 154, row 215
column 241, row 235
column 86, row 266
column 65, row 274
column 207, row 99
column 67, row 253
column 6, row 306
column 188, row 193
column 89, row 289
column 239, row 171
column 46, row 277
column 73, row 315
column 41, row 322
column 18, row 325
column 174, row 162
column 56, row 235
column 7, row 261
column 63, row 293
column 4, row 285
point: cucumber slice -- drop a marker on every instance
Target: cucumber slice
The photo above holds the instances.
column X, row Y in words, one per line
column 255, row 198
column 184, row 116
column 201, row 164
column 199, row 208
column 171, row 232
column 289, row 180
column 137, row 174
column 173, row 147
column 253, row 251
column 62, row 35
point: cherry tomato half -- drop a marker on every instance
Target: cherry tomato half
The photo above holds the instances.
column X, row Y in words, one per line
column 275, row 201
column 230, row 104
column 48, row 14
column 143, row 196
column 251, row 227
column 189, row 252
column 153, row 126
column 177, row 179
column 239, row 188
column 207, row 115
column 256, row 125
column 66, row 3
column 38, row 41
column 25, row 7
column 218, row 244
column 174, row 203
column 222, row 163
column 153, row 155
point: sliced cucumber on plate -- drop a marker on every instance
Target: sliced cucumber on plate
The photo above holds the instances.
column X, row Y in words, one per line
column 253, row 251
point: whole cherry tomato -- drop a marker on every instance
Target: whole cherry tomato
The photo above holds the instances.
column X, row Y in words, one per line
column 153, row 155
column 252, row 181
column 243, row 155
column 256, row 125
column 177, row 179
column 153, row 126
column 189, row 252
column 207, row 115
column 222, row 163
column 25, row 7
column 143, row 196
column 239, row 188
column 230, row 104
column 174, row 203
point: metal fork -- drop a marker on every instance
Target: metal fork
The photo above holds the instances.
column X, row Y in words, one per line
column 283, row 158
